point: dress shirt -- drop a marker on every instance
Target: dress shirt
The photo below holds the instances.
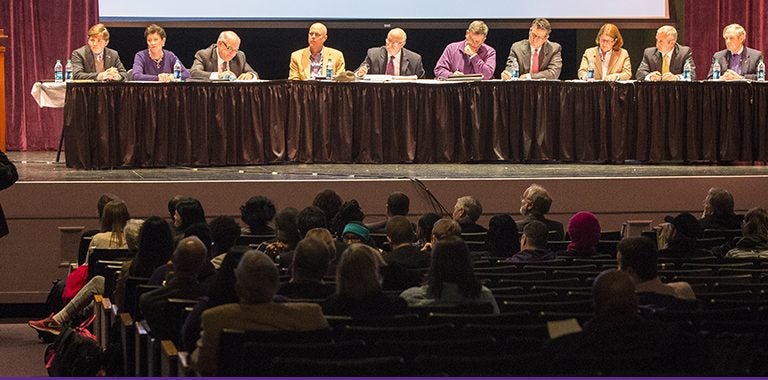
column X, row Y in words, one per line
column 606, row 61
column 454, row 59
column 396, row 62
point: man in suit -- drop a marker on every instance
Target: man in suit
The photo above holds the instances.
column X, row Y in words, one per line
column 653, row 66
column 470, row 56
column 223, row 60
column 736, row 61
column 311, row 62
column 95, row 61
column 537, row 57
column 8, row 176
column 403, row 61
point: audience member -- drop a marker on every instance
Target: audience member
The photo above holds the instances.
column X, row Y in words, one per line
column 257, row 213
column 424, row 228
column 392, row 58
column 533, row 244
column 683, row 232
column 85, row 237
column 287, row 237
column 442, row 229
column 466, row 212
column 736, row 61
column 610, row 61
column 537, row 57
column 188, row 212
column 502, row 239
column 156, row 63
column 470, row 56
column 312, row 61
column 112, row 223
column 754, row 243
column 403, row 251
column 534, row 205
column 666, row 61
column 224, row 235
column 584, row 232
column 451, row 279
column 356, row 233
column 398, row 204
column 718, row 211
column 95, row 60
column 163, row 274
column 330, row 203
column 223, row 60
column 310, row 264
column 349, row 212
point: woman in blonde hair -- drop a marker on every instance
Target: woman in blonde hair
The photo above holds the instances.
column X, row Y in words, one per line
column 611, row 61
column 113, row 221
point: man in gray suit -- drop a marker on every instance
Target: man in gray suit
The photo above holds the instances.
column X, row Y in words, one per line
column 667, row 49
column 736, row 61
column 95, row 61
column 392, row 58
column 223, row 60
column 549, row 62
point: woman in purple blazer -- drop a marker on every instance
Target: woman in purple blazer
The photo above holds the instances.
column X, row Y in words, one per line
column 156, row 63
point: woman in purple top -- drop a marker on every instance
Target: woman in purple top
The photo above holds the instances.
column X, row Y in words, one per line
column 156, row 63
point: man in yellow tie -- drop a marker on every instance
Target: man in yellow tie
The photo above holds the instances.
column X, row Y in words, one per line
column 665, row 62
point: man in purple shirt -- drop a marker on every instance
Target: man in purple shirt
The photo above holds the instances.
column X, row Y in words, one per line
column 471, row 56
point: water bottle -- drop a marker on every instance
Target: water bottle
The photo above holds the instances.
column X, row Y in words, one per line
column 68, row 71
column 514, row 69
column 715, row 69
column 58, row 74
column 687, row 70
column 761, row 71
column 177, row 70
column 591, row 71
column 329, row 69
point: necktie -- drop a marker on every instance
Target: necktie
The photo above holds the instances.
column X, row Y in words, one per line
column 223, row 67
column 665, row 65
column 736, row 63
column 535, row 61
column 391, row 66
column 99, row 63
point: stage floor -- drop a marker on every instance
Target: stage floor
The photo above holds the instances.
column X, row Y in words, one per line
column 41, row 167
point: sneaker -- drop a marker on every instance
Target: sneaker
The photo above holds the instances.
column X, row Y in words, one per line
column 47, row 325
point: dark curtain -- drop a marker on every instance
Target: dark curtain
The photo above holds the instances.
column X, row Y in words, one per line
column 39, row 33
column 705, row 20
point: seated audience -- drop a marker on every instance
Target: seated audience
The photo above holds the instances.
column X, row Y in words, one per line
column 188, row 212
column 397, row 205
column 683, row 232
column 349, row 212
column 502, row 239
column 287, row 235
column 224, row 235
column 584, row 232
column 533, row 244
column 451, row 279
column 83, row 250
column 534, row 205
column 466, row 212
column 310, row 264
column 156, row 63
column 356, row 233
column 257, row 214
column 95, row 61
column 424, row 228
column 718, row 211
column 442, row 229
column 165, row 273
column 754, row 243
column 112, row 223
column 404, row 253
column 330, row 203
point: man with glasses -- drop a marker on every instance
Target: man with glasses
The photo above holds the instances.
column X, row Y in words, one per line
column 737, row 61
column 537, row 57
column 470, row 56
column 665, row 62
column 95, row 60
column 392, row 58
column 312, row 61
column 223, row 60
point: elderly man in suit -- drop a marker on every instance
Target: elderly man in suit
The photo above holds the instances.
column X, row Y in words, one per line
column 95, row 61
column 736, row 60
column 537, row 57
column 665, row 62
column 310, row 62
column 392, row 58
column 223, row 60
column 469, row 56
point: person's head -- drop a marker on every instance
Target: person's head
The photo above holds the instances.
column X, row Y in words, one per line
column 398, row 204
column 224, row 233
column 666, row 37
column 349, row 212
column 719, row 203
column 223, row 289
column 202, row 232
column 172, row 204
column 257, row 212
column 355, row 233
column 609, row 38
column 310, row 260
column 637, row 256
column 395, row 41
column 189, row 257
column 155, row 247
column 501, row 239
column 188, row 211
column 451, row 263
column 535, row 236
column 131, row 232
column 286, row 222
column 444, row 228
column 539, row 32
column 114, row 216
column 535, row 201
column 614, row 294
column 227, row 45
column 155, row 37
column 399, row 230
column 734, row 36
column 476, row 34
column 584, row 230
column 103, row 200
column 467, row 207
column 311, row 217
column 318, row 33
column 325, row 236
column 329, row 202
column 257, row 278
column 424, row 226
column 357, row 274
column 98, row 38
column 684, row 226
column 756, row 223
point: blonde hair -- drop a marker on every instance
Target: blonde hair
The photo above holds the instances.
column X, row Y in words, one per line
column 99, row 29
column 613, row 32
column 358, row 275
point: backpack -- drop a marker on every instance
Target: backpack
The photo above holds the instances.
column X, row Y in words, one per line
column 75, row 352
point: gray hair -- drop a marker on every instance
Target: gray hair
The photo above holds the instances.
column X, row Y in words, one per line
column 131, row 232
column 735, row 28
column 257, row 278
column 478, row 27
column 542, row 23
column 471, row 206
column 669, row 30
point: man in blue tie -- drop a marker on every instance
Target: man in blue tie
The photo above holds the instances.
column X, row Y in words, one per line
column 737, row 61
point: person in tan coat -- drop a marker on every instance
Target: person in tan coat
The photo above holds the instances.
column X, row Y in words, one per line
column 610, row 59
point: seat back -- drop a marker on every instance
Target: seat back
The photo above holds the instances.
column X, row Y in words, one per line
column 371, row 334
column 389, row 366
column 108, row 257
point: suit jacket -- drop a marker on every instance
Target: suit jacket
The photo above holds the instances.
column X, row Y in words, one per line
column 410, row 62
column 652, row 61
column 153, row 305
column 207, row 62
column 300, row 68
column 749, row 62
column 619, row 67
column 84, row 63
column 550, row 59
column 8, row 176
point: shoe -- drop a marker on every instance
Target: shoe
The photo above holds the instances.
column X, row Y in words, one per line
column 48, row 325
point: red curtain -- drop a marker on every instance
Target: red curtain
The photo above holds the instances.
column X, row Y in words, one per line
column 39, row 33
column 705, row 20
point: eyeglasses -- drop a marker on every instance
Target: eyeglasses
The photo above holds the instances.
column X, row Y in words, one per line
column 535, row 36
column 352, row 238
column 229, row 48
column 607, row 40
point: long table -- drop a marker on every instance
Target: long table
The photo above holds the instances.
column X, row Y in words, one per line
column 115, row 125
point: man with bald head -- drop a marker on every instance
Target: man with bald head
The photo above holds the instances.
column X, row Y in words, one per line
column 223, row 60
column 311, row 62
column 392, row 58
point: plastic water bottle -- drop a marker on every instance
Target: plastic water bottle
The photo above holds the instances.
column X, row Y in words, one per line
column 514, row 69
column 761, row 71
column 591, row 71
column 687, row 70
column 68, row 71
column 177, row 70
column 715, row 69
column 58, row 74
column 329, row 69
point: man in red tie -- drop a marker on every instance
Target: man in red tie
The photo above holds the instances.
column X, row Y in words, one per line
column 392, row 58
column 537, row 57
column 95, row 60
column 223, row 60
